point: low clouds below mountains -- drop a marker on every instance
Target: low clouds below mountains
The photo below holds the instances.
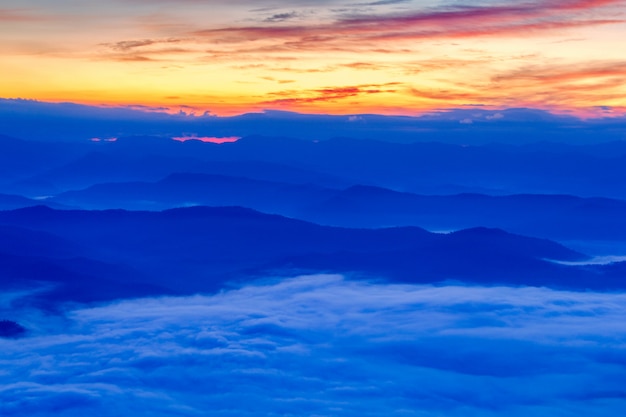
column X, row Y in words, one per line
column 324, row 345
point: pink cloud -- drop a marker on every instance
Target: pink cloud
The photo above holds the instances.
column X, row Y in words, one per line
column 353, row 31
column 208, row 139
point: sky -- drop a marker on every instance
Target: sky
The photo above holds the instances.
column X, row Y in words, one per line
column 324, row 345
column 323, row 56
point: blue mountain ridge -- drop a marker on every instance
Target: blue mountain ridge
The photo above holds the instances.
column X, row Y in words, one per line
column 201, row 249
column 558, row 217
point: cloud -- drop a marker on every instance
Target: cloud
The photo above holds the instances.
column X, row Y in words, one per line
column 559, row 73
column 357, row 31
column 126, row 45
column 329, row 94
column 324, row 345
column 366, row 66
column 446, row 95
column 305, row 37
column 495, row 116
column 567, row 84
column 142, row 49
column 217, row 140
column 281, row 17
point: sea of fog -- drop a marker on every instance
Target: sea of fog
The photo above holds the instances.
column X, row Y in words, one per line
column 324, row 345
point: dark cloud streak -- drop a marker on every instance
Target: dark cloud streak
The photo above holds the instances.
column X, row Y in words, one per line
column 281, row 17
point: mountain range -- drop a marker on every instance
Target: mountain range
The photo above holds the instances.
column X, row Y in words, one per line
column 144, row 215
column 92, row 255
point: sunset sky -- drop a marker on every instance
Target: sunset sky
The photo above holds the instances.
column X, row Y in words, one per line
column 322, row 56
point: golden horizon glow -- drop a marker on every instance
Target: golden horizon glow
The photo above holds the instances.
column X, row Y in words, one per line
column 334, row 57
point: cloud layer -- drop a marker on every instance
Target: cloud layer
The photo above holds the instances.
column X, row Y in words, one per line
column 324, row 345
column 232, row 57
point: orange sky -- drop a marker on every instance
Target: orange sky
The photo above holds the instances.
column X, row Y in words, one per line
column 324, row 56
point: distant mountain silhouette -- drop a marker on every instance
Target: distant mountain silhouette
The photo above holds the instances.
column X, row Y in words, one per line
column 561, row 217
column 95, row 167
column 558, row 217
column 10, row 202
column 129, row 161
column 124, row 253
column 424, row 166
column 35, row 169
column 187, row 189
column 21, row 157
